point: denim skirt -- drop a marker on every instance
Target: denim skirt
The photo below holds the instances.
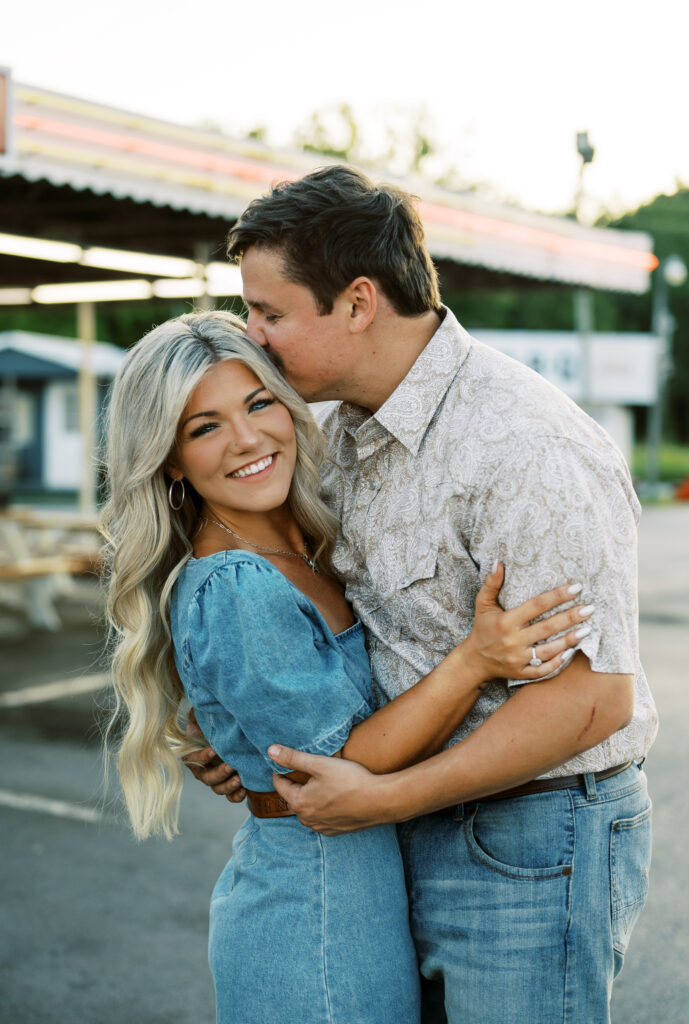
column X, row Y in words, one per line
column 311, row 929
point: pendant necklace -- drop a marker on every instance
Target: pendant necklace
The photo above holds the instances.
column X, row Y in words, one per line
column 271, row 551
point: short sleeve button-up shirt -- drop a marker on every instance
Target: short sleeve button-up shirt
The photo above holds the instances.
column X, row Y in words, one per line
column 473, row 458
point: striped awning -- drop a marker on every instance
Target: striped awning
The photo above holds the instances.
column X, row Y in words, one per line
column 65, row 140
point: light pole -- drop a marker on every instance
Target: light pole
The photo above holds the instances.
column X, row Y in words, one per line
column 583, row 297
column 671, row 272
column 587, row 152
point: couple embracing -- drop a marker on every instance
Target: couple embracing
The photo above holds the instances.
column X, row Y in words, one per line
column 327, row 600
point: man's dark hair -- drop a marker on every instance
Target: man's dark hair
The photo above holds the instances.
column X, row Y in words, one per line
column 335, row 225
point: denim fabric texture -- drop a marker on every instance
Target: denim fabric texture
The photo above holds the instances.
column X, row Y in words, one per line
column 524, row 907
column 304, row 929
column 260, row 664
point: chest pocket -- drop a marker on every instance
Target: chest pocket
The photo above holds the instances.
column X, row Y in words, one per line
column 400, row 561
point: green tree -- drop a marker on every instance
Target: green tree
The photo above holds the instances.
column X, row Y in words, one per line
column 666, row 219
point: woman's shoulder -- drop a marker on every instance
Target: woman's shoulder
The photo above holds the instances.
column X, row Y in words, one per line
column 234, row 575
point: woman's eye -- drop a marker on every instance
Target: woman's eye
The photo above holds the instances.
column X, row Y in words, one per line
column 261, row 403
column 205, row 428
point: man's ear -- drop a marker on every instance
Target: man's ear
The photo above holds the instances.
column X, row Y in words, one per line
column 362, row 299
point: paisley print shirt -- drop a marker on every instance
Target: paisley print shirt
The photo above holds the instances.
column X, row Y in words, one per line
column 473, row 458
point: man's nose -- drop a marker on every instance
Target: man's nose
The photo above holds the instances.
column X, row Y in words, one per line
column 254, row 329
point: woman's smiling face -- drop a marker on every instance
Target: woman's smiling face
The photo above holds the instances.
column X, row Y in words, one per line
column 235, row 443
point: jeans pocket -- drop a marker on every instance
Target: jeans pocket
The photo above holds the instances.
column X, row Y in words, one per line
column 530, row 839
column 630, row 861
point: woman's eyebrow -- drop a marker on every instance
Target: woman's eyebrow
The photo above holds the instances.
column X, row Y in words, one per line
column 254, row 393
column 214, row 412
column 197, row 415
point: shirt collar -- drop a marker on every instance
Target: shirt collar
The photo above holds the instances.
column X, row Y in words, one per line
column 410, row 408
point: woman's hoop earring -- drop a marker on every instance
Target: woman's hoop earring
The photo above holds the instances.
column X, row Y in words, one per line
column 176, row 508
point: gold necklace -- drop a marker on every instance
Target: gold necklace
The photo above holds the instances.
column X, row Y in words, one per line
column 271, row 551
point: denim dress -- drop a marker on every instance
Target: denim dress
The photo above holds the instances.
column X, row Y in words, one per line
column 304, row 928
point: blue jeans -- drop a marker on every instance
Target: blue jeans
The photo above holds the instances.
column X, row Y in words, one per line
column 524, row 907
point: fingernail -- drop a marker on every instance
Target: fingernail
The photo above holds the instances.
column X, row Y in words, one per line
column 587, row 610
column 274, row 751
column 567, row 655
column 228, row 770
column 576, row 588
column 581, row 633
column 495, row 566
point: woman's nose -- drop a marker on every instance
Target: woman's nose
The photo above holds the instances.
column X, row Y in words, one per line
column 244, row 437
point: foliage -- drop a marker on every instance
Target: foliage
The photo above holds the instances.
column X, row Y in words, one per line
column 120, row 323
column 408, row 141
column 674, row 462
column 666, row 219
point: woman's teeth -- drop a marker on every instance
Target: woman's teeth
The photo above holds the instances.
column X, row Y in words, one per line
column 255, row 467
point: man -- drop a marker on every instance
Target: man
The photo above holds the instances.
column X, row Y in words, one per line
column 447, row 456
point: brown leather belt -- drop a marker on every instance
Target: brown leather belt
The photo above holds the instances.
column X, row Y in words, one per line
column 544, row 786
column 267, row 805
column 271, row 804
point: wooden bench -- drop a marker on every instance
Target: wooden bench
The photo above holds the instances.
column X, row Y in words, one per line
column 34, row 568
column 32, row 577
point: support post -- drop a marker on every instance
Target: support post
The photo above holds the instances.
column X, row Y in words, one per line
column 86, row 332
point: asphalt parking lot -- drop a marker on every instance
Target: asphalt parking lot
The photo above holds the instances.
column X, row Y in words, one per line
column 99, row 929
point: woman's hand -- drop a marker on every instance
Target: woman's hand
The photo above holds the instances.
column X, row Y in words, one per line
column 502, row 644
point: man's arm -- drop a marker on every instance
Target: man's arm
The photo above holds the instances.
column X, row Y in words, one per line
column 540, row 727
column 417, row 723
column 207, row 767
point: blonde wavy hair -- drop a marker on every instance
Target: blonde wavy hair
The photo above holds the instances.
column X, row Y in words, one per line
column 148, row 543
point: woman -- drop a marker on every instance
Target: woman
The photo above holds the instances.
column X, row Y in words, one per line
column 219, row 588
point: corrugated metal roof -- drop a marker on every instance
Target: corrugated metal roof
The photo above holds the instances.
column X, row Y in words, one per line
column 69, row 141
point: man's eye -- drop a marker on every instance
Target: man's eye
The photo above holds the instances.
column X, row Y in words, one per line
column 272, row 318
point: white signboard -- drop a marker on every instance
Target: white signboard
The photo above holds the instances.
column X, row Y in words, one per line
column 621, row 369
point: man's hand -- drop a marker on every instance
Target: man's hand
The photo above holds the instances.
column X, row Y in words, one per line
column 338, row 796
column 207, row 767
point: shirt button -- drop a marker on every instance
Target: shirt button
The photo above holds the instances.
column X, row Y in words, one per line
column 406, row 581
column 372, row 485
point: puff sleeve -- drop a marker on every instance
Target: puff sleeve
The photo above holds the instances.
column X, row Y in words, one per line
column 261, row 652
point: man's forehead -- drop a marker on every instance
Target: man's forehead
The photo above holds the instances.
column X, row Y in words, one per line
column 266, row 288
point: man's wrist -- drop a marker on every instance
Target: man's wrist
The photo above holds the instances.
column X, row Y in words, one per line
column 387, row 803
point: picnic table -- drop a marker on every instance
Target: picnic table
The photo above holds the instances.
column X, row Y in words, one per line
column 40, row 553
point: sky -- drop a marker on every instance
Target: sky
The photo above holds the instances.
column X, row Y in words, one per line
column 501, row 86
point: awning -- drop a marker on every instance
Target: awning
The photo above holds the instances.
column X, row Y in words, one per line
column 88, row 147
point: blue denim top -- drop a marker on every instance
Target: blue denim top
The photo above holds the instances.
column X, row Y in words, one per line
column 260, row 664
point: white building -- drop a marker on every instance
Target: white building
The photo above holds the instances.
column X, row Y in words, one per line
column 40, row 372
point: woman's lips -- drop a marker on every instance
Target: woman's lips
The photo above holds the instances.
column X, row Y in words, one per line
column 256, row 470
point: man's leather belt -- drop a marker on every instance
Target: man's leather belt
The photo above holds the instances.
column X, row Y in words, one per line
column 545, row 786
column 267, row 805
column 271, row 804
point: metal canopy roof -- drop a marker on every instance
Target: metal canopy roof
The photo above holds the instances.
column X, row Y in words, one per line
column 79, row 171
column 30, row 354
